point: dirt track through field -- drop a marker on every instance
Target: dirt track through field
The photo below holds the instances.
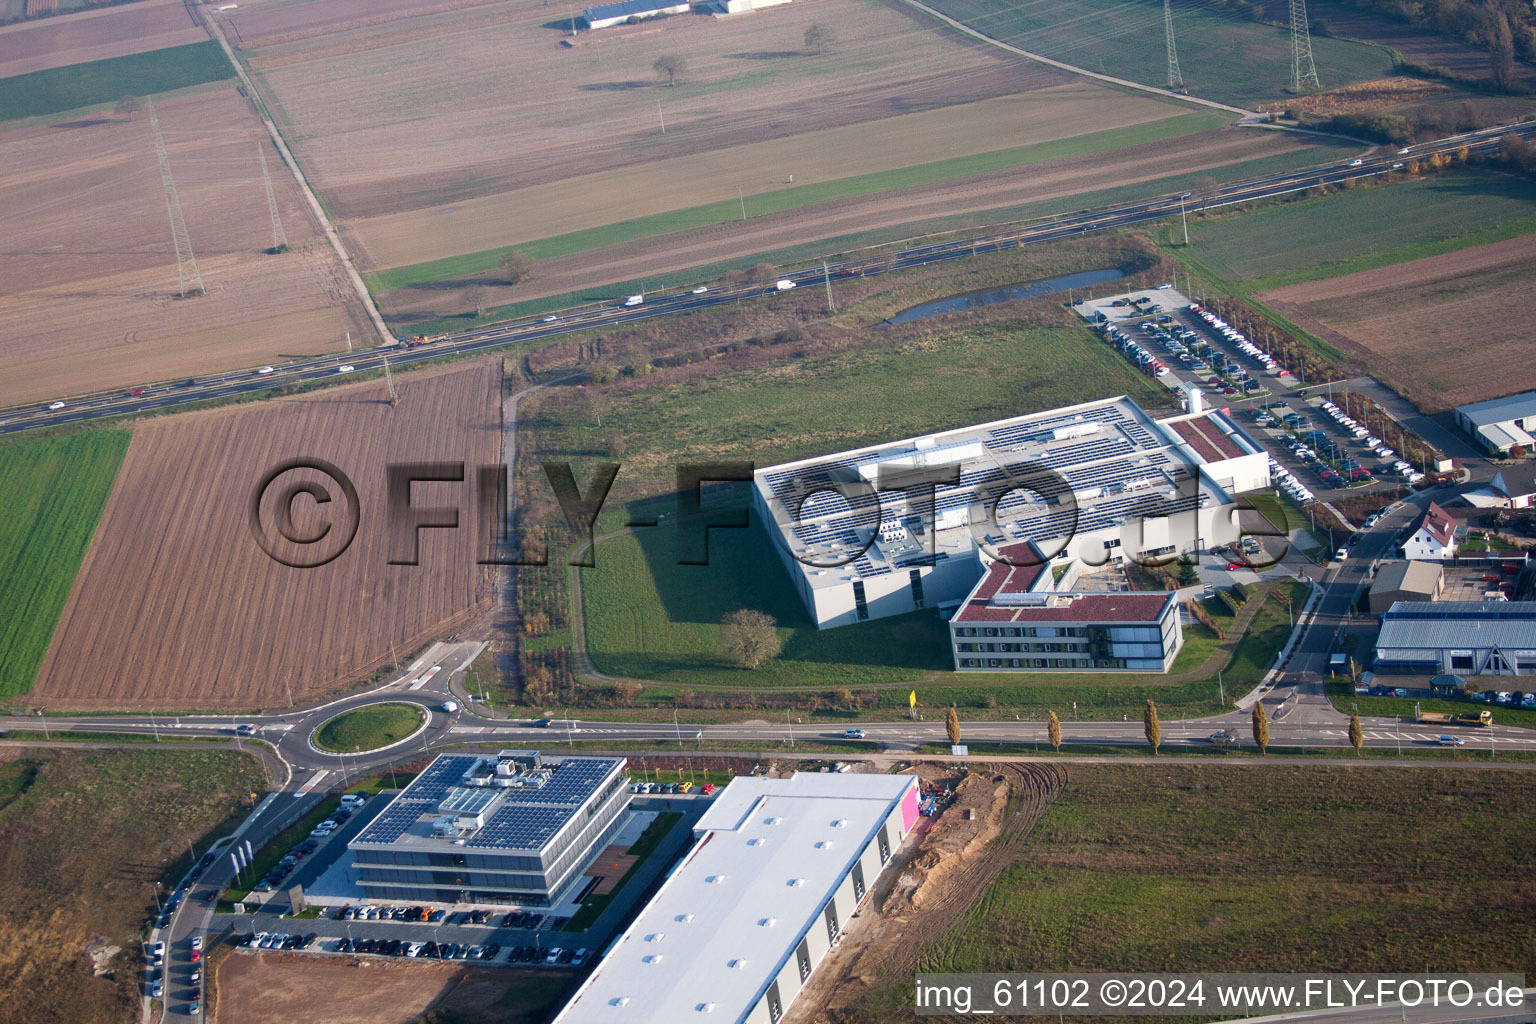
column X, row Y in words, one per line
column 952, row 865
column 1431, row 326
column 735, row 239
column 176, row 604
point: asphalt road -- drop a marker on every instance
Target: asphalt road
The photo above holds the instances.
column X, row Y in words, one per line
column 170, row 394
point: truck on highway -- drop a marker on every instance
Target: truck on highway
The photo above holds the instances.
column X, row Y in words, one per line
column 1478, row 718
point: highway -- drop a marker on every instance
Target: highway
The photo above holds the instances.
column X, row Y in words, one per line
column 163, row 395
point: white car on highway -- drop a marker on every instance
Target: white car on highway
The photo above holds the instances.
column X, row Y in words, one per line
column 700, row 290
column 345, row 368
column 549, row 319
column 264, row 370
column 55, row 406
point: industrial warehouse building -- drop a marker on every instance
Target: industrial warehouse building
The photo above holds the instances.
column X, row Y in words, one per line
column 608, row 15
column 1405, row 581
column 1503, row 424
column 1015, row 621
column 509, row 829
column 776, row 871
column 1097, row 483
column 1464, row 638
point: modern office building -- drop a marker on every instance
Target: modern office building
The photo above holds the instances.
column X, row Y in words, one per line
column 1464, row 638
column 776, row 871
column 509, row 829
column 1097, row 482
column 1015, row 620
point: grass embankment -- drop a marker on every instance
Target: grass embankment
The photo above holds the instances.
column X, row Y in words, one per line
column 1225, row 55
column 834, row 246
column 1361, row 229
column 106, row 81
column 646, row 845
column 767, row 203
column 1140, row 867
column 1342, row 695
column 84, row 837
column 266, row 858
column 52, row 491
column 369, row 728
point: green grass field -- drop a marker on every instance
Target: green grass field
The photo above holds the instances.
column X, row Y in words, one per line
column 813, row 251
column 1190, row 868
column 52, row 491
column 369, row 728
column 107, row 81
column 776, row 202
column 1226, row 57
column 1363, row 228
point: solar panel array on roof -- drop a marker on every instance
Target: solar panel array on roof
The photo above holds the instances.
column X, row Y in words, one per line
column 394, row 822
column 520, row 828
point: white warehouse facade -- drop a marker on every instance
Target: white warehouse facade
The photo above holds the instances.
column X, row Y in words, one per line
column 1094, row 483
column 777, row 869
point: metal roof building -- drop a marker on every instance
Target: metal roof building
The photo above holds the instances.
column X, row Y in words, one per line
column 509, row 829
column 1096, row 482
column 1501, row 423
column 1461, row 637
column 1405, row 581
column 608, row 15
column 777, row 868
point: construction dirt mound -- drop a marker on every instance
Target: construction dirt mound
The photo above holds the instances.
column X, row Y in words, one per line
column 979, row 834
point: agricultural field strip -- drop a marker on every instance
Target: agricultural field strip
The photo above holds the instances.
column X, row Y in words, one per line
column 57, row 89
column 93, row 35
column 812, row 158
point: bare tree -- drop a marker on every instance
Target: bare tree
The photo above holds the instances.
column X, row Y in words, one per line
column 749, row 638
column 516, row 266
column 952, row 726
column 1152, row 727
column 129, row 105
column 477, row 296
column 670, row 66
column 1053, row 730
column 762, row 272
column 819, row 36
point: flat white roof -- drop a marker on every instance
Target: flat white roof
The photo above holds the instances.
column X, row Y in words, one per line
column 769, row 854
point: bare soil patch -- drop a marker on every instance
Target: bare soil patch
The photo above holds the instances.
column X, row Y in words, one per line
column 88, row 281
column 177, row 604
column 279, row 989
column 726, row 241
column 96, row 35
column 782, row 165
column 381, row 128
column 1446, row 330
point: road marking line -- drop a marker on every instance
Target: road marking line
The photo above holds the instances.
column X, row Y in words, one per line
column 418, row 684
column 304, row 789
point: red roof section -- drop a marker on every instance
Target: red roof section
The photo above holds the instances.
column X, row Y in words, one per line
column 1438, row 523
column 1012, row 579
column 1118, row 607
column 1207, row 439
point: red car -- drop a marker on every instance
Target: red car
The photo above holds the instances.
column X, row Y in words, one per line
column 709, row 787
column 1235, row 565
column 196, row 956
column 135, row 393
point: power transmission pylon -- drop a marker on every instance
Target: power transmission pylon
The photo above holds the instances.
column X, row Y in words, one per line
column 389, row 380
column 1303, row 70
column 1175, row 79
column 190, row 278
column 279, row 240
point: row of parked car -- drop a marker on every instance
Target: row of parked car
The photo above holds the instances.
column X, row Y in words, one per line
column 671, row 787
column 283, row 868
column 1143, row 359
column 1238, row 340
column 1401, row 467
column 1508, row 698
column 279, row 940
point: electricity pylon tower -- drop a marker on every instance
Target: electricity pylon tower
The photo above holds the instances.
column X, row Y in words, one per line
column 279, row 240
column 1303, row 70
column 1175, row 79
column 191, row 280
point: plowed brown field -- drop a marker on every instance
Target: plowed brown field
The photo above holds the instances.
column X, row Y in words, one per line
column 1446, row 330
column 447, row 105
column 96, row 35
column 177, row 604
column 88, row 278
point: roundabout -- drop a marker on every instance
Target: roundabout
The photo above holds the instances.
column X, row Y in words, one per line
column 371, row 727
